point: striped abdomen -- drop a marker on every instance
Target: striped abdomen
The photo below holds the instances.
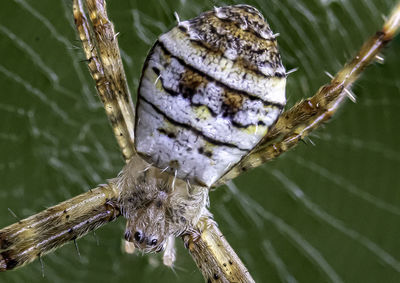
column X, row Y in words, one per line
column 210, row 90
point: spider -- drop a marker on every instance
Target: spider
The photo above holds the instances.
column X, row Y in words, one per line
column 102, row 208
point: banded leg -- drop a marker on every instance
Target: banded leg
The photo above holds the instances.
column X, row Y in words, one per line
column 105, row 65
column 104, row 60
column 23, row 242
column 300, row 120
column 214, row 256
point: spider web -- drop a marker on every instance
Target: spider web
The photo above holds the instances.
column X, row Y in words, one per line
column 328, row 212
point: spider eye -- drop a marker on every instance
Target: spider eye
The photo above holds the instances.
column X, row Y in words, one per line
column 154, row 242
column 138, row 237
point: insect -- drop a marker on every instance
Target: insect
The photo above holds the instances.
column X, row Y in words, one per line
column 132, row 233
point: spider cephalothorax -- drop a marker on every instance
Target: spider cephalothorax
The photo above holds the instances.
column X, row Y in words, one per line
column 156, row 205
column 143, row 203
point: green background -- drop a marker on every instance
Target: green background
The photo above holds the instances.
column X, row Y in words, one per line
column 329, row 212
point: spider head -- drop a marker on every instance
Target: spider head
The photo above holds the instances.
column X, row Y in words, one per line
column 147, row 229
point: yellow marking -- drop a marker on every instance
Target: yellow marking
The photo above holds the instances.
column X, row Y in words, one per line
column 255, row 129
column 158, row 85
column 93, row 15
column 202, row 112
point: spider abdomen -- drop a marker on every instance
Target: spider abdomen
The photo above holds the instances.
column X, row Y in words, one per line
column 210, row 90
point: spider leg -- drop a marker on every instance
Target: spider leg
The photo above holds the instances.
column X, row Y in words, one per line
column 117, row 104
column 30, row 238
column 213, row 255
column 104, row 60
column 308, row 115
column 105, row 65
